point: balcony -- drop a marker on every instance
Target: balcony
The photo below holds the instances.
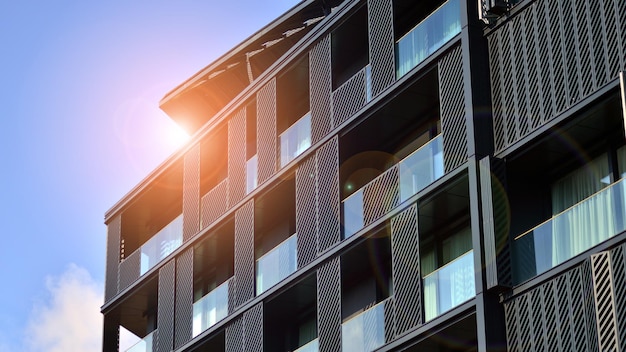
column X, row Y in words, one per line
column 449, row 286
column 276, row 264
column 251, row 174
column 428, row 36
column 312, row 346
column 295, row 140
column 166, row 241
column 211, row 308
column 353, row 213
column 145, row 345
column 570, row 232
column 366, row 331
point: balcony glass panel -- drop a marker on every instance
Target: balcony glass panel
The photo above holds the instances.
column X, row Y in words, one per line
column 421, row 168
column 276, row 264
column 162, row 244
column 428, row 36
column 145, row 345
column 570, row 232
column 368, row 82
column 312, row 346
column 364, row 332
column 449, row 286
column 353, row 213
column 295, row 140
column 251, row 174
column 210, row 309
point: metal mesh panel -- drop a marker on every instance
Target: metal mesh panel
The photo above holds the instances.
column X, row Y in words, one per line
column 234, row 336
column 114, row 229
column 550, row 326
column 244, row 253
column 381, row 195
column 510, row 321
column 619, row 287
column 320, row 89
column 604, row 301
column 306, row 214
column 184, row 297
column 452, row 100
column 382, row 59
column 191, row 193
column 329, row 306
column 497, row 85
column 253, row 329
column 266, row 131
column 517, row 81
column 349, row 98
column 389, row 319
column 620, row 19
column 215, row 203
column 610, row 27
column 165, row 309
column 588, row 304
column 129, row 270
column 406, row 275
column 237, row 157
column 328, row 194
column 533, row 69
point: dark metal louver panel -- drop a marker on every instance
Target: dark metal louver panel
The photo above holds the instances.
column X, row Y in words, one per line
column 129, row 270
column 382, row 44
column 381, row 195
column 165, row 308
column 306, row 211
column 234, row 336
column 184, row 297
column 619, row 287
column 320, row 88
column 253, row 329
column 114, row 231
column 244, row 254
column 237, row 157
column 389, row 319
column 266, row 131
column 215, row 203
column 349, row 98
column 602, row 274
column 328, row 194
column 406, row 273
column 191, row 193
column 452, row 99
column 329, row 306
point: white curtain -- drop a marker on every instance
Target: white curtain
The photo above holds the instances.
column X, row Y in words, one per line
column 585, row 221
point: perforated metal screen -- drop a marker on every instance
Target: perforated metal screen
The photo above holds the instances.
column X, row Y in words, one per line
column 349, row 98
column 266, row 131
column 306, row 211
column 452, row 99
column 114, row 229
column 191, row 193
column 129, row 270
column 165, row 308
column 329, row 306
column 328, row 194
column 382, row 43
column 320, row 88
column 237, row 157
column 244, row 253
column 184, row 297
column 215, row 203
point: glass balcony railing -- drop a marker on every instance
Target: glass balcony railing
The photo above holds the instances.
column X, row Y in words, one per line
column 570, row 232
column 364, row 332
column 210, row 309
column 162, row 244
column 449, row 286
column 428, row 36
column 368, row 82
column 353, row 213
column 421, row 168
column 145, row 345
column 295, row 140
column 251, row 174
column 276, row 264
column 312, row 346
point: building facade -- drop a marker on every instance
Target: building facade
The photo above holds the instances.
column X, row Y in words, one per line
column 388, row 175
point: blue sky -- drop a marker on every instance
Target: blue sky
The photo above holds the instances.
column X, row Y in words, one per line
column 80, row 83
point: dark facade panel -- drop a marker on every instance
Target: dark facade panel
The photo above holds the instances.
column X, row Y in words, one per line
column 452, row 99
column 114, row 229
column 389, row 319
column 320, row 88
column 328, row 194
column 381, row 195
column 253, row 329
column 306, row 211
column 165, row 308
column 244, row 254
column 329, row 306
column 215, row 203
column 382, row 44
column 234, row 336
column 602, row 274
column 619, row 289
column 552, row 54
column 111, row 336
column 237, row 157
column 266, row 131
column 191, row 193
column 349, row 98
column 184, row 297
column 129, row 270
column 406, row 273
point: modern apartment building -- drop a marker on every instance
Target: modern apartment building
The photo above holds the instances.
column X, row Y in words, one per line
column 388, row 175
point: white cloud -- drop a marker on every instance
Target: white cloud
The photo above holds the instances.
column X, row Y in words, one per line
column 69, row 319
